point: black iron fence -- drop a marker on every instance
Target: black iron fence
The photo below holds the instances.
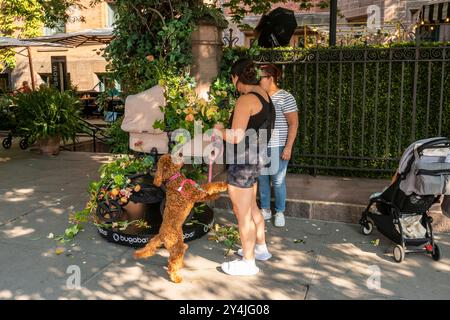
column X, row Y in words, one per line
column 360, row 108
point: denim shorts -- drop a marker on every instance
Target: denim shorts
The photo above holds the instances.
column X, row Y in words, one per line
column 243, row 175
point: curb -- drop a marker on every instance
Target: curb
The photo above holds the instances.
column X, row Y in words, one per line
column 334, row 211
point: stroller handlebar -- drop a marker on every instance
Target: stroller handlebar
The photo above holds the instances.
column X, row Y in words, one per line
column 443, row 141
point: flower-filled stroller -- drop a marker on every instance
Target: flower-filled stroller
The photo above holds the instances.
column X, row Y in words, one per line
column 140, row 198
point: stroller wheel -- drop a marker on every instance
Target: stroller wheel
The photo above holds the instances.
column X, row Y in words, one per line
column 436, row 255
column 7, row 143
column 399, row 253
column 367, row 228
column 109, row 212
column 24, row 144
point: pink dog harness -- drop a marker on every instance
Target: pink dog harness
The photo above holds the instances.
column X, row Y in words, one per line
column 180, row 188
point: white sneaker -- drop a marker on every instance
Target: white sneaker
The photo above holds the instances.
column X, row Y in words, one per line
column 260, row 254
column 240, row 267
column 279, row 219
column 267, row 214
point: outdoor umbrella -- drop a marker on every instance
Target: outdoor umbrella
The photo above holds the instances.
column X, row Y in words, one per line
column 8, row 43
column 77, row 39
column 276, row 28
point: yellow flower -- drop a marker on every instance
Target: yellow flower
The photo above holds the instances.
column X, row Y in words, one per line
column 202, row 102
column 190, row 110
column 211, row 112
column 190, row 117
column 191, row 99
column 150, row 58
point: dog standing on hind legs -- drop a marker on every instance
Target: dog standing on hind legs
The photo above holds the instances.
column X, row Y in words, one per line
column 181, row 196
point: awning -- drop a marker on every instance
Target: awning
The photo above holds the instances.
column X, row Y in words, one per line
column 7, row 42
column 80, row 38
column 436, row 12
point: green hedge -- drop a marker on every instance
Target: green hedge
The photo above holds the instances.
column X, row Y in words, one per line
column 382, row 134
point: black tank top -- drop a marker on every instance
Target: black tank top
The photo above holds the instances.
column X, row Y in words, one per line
column 264, row 119
column 267, row 113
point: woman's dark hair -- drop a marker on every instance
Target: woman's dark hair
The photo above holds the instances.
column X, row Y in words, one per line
column 273, row 71
column 245, row 70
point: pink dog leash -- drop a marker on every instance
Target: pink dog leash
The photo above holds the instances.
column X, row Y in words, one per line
column 213, row 158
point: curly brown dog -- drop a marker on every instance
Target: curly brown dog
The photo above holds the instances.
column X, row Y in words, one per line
column 181, row 195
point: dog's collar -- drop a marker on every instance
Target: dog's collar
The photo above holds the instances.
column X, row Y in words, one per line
column 175, row 176
column 185, row 180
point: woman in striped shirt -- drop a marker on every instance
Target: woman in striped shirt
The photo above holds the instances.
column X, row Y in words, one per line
column 280, row 145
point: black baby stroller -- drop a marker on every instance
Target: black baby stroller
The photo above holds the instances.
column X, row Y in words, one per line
column 9, row 123
column 401, row 211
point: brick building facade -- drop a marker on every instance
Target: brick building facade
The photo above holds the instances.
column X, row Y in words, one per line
column 86, row 67
column 404, row 11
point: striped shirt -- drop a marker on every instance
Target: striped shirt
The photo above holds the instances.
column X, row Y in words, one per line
column 284, row 102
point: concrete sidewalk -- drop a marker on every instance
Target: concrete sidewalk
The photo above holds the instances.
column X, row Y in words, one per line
column 334, row 262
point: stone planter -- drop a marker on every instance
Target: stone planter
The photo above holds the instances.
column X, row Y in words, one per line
column 49, row 146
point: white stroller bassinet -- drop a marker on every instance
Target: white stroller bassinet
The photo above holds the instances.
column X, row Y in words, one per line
column 141, row 112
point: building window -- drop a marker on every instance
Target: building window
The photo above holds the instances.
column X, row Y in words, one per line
column 414, row 15
column 46, row 78
column 59, row 28
column 360, row 21
column 112, row 14
column 105, row 82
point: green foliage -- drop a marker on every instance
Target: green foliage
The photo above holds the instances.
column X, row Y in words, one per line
column 118, row 139
column 222, row 92
column 196, row 172
column 123, row 225
column 7, row 117
column 209, row 14
column 380, row 126
column 149, row 33
column 46, row 112
column 227, row 235
column 184, row 108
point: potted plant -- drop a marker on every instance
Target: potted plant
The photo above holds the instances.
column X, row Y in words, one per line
column 49, row 116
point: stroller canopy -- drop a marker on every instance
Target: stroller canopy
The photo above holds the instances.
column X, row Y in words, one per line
column 141, row 112
column 425, row 167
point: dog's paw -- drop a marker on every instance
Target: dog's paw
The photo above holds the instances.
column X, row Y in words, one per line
column 223, row 186
column 141, row 254
column 175, row 278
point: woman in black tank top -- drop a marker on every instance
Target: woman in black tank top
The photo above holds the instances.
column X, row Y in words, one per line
column 254, row 110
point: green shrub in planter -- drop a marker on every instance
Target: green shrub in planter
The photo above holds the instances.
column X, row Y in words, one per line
column 7, row 119
column 48, row 116
column 118, row 139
